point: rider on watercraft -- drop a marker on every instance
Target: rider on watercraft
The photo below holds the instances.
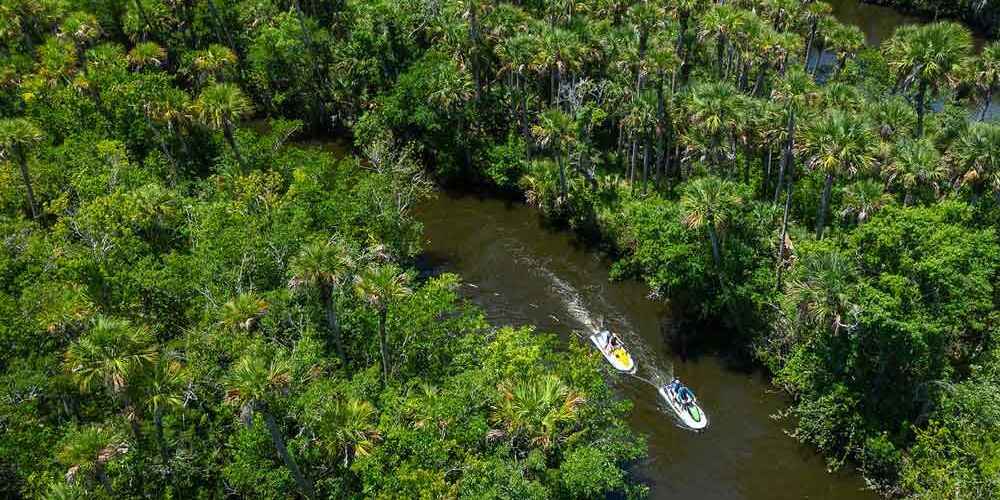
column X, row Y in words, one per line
column 684, row 395
column 613, row 343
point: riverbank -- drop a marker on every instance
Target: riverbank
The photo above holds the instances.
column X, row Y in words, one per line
column 523, row 271
column 864, row 420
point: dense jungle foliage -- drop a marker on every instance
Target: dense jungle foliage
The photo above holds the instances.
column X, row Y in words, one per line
column 194, row 306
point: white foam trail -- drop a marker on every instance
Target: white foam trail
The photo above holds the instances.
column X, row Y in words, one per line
column 648, row 361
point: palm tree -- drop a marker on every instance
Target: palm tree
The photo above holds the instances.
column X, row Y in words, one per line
column 780, row 12
column 81, row 27
column 86, row 452
column 211, row 63
column 171, row 108
column 846, row 41
column 643, row 16
column 560, row 52
column 515, row 53
column 683, row 10
column 976, row 158
column 716, row 112
column 640, row 123
column 796, row 90
column 927, row 56
column 324, row 266
column 243, row 311
column 534, row 411
column 708, row 202
column 892, row 118
column 721, row 23
column 555, row 130
column 827, row 35
column 916, row 162
column 147, row 54
column 838, row 144
column 382, row 286
column 162, row 391
column 113, row 355
column 252, row 384
column 219, row 107
column 863, row 198
column 347, row 427
column 821, row 288
column 812, row 14
column 17, row 137
column 986, row 75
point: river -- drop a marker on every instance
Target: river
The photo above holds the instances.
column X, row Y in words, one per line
column 521, row 273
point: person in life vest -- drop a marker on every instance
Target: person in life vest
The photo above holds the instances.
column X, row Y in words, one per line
column 683, row 394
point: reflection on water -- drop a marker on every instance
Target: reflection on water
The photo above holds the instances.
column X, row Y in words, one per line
column 877, row 22
column 521, row 273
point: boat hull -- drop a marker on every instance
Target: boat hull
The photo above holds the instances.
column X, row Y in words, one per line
column 691, row 416
column 622, row 362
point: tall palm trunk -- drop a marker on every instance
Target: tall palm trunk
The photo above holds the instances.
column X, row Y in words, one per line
column 143, row 18
column 132, row 415
column 102, row 477
column 766, row 178
column 562, row 174
column 631, row 169
column 525, row 131
column 473, row 52
column 22, row 163
column 305, row 486
column 819, row 59
column 809, row 43
column 786, row 156
column 163, row 147
column 645, row 163
column 160, row 439
column 720, row 47
column 713, row 237
column 383, row 344
column 784, row 229
column 921, row 97
column 761, row 74
column 227, row 131
column 326, row 295
column 986, row 106
column 682, row 48
column 320, row 79
column 823, row 205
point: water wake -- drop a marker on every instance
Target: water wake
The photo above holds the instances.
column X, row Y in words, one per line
column 573, row 301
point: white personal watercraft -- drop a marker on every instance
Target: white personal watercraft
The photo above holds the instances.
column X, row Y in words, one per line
column 682, row 401
column 614, row 351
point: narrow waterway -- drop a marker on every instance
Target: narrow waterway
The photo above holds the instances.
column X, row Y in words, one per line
column 522, row 273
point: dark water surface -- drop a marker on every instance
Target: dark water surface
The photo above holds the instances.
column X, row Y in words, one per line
column 521, row 273
column 877, row 22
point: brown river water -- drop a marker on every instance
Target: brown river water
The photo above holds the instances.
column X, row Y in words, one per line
column 522, row 273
